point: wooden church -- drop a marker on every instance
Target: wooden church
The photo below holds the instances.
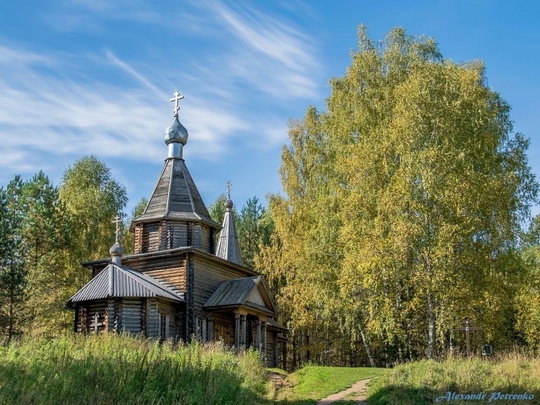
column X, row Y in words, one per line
column 180, row 283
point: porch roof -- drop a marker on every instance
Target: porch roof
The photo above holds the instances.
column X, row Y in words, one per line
column 236, row 292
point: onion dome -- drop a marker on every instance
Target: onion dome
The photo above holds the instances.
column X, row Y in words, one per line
column 116, row 249
column 176, row 132
column 176, row 135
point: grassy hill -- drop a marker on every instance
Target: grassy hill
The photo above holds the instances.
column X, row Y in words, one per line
column 120, row 369
column 510, row 379
column 113, row 369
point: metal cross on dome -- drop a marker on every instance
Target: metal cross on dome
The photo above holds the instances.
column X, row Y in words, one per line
column 175, row 99
column 228, row 184
column 117, row 221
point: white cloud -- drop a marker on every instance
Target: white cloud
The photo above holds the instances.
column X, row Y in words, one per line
column 269, row 37
column 113, row 59
column 58, row 105
column 56, row 116
column 90, row 15
column 270, row 55
column 15, row 57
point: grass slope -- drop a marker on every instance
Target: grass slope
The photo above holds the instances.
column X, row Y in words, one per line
column 313, row 382
column 112, row 369
column 422, row 382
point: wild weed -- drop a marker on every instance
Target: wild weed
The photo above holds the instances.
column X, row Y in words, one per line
column 122, row 369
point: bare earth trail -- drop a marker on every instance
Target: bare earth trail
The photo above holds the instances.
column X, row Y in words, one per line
column 355, row 393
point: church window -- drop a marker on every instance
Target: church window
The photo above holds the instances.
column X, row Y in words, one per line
column 163, row 325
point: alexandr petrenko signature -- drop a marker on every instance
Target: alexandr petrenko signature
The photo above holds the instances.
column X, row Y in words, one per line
column 482, row 396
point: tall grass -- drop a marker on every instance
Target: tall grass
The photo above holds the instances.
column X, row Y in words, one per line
column 121, row 369
column 424, row 381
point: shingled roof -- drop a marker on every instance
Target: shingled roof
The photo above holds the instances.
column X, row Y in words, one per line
column 240, row 291
column 176, row 197
column 120, row 281
column 228, row 247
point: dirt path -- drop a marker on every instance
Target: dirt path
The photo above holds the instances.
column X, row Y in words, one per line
column 355, row 393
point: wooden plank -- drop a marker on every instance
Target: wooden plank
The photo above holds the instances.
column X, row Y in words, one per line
column 137, row 239
column 152, row 318
column 271, row 350
column 207, row 277
column 151, row 237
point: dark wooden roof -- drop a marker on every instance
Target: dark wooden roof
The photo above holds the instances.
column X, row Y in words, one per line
column 120, row 281
column 274, row 325
column 235, row 292
column 176, row 197
column 228, row 247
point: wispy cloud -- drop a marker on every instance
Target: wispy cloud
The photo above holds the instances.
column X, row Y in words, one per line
column 57, row 105
column 92, row 15
column 272, row 56
column 113, row 59
column 269, row 36
column 62, row 117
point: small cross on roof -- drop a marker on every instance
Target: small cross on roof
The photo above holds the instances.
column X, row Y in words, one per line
column 117, row 221
column 175, row 99
column 228, row 184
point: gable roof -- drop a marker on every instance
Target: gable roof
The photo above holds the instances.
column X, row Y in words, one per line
column 176, row 197
column 237, row 292
column 120, row 281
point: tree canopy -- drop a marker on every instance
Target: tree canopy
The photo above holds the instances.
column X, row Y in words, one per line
column 12, row 259
column 45, row 232
column 93, row 198
column 403, row 208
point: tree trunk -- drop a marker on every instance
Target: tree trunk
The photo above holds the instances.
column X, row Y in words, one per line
column 308, row 351
column 367, row 346
column 11, row 321
column 294, row 354
column 430, row 352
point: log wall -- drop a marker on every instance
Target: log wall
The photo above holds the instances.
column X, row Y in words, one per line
column 132, row 309
column 166, row 234
column 223, row 328
column 208, row 274
column 152, row 318
column 170, row 269
column 86, row 314
column 271, row 349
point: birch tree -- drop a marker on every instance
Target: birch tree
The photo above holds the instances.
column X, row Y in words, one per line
column 93, row 198
column 404, row 201
column 438, row 188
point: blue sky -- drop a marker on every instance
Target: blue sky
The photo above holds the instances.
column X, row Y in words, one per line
column 84, row 77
